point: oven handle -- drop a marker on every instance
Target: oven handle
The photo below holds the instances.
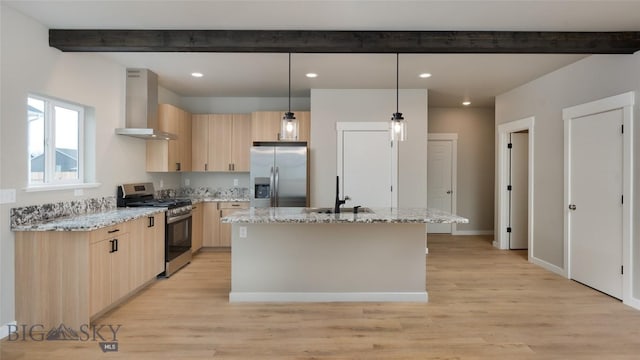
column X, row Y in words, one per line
column 172, row 220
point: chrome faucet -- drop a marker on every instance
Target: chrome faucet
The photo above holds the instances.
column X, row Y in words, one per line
column 336, row 209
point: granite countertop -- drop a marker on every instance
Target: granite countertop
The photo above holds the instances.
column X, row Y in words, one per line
column 89, row 221
column 379, row 215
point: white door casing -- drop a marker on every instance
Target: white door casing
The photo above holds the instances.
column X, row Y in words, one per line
column 441, row 178
column 367, row 164
column 598, row 172
column 502, row 141
column 519, row 169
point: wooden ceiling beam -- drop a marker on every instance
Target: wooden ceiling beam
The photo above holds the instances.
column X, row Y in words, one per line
column 304, row 41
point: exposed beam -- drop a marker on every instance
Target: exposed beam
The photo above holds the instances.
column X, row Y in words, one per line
column 303, row 41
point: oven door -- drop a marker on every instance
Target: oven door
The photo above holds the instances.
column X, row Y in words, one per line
column 178, row 237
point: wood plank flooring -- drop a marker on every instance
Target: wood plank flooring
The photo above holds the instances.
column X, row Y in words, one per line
column 484, row 304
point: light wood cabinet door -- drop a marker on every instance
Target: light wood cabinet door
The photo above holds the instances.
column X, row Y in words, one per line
column 220, row 129
column 265, row 125
column 137, row 251
column 197, row 230
column 122, row 278
column 199, row 142
column 241, row 143
column 210, row 224
column 152, row 257
column 226, row 209
column 184, row 139
column 168, row 120
column 100, row 276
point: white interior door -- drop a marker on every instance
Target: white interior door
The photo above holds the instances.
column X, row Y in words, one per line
column 366, row 165
column 439, row 181
column 595, row 225
column 519, row 193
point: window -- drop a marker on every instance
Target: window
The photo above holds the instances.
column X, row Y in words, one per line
column 55, row 142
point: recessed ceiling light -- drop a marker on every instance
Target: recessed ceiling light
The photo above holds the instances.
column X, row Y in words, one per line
column 466, row 103
column 197, row 74
column 424, row 75
column 311, row 75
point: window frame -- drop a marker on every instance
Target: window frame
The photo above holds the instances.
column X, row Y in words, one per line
column 49, row 165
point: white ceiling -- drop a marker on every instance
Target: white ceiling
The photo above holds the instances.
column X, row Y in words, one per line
column 478, row 77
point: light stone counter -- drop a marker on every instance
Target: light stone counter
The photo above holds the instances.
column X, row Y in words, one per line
column 378, row 215
column 89, row 221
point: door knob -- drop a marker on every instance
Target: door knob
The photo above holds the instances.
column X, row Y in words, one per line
column 449, row 191
column 572, row 207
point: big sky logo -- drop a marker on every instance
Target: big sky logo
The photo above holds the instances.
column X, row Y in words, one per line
column 105, row 335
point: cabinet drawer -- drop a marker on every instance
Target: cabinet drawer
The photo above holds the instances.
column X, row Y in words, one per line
column 110, row 232
column 233, row 205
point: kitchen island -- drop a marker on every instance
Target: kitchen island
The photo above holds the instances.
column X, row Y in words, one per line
column 299, row 254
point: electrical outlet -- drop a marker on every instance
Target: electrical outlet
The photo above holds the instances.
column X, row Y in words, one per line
column 7, row 196
column 187, row 182
column 161, row 183
column 235, row 182
column 243, row 232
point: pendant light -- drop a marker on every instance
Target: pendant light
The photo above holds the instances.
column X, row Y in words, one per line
column 289, row 126
column 398, row 127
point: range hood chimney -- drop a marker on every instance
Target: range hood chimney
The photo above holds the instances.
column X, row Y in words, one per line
column 141, row 119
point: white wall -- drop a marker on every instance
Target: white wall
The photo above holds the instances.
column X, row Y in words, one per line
column 28, row 64
column 592, row 78
column 475, row 128
column 329, row 106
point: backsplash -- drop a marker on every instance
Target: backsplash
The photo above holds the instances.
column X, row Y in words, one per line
column 221, row 193
column 44, row 212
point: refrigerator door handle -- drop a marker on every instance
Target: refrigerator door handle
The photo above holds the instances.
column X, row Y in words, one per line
column 277, row 183
column 271, row 189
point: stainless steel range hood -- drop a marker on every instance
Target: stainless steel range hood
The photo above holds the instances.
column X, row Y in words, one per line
column 141, row 119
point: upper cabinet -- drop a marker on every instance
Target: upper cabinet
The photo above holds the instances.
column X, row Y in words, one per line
column 171, row 155
column 265, row 125
column 221, row 142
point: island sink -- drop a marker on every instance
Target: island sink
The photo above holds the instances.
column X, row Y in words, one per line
column 328, row 210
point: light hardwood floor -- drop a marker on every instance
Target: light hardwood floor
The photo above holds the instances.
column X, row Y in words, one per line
column 484, row 304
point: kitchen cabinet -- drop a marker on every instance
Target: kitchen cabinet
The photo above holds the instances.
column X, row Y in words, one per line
column 226, row 209
column 84, row 273
column 197, row 224
column 210, row 224
column 266, row 125
column 221, row 142
column 171, row 155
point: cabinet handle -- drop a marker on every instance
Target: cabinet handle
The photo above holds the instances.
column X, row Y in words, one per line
column 113, row 246
column 116, row 242
column 278, row 137
column 206, row 167
column 235, row 205
column 152, row 221
column 177, row 166
column 234, row 167
column 113, row 231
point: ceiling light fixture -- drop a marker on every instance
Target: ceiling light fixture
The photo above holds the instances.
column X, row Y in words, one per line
column 398, row 128
column 311, row 75
column 289, row 127
column 197, row 74
column 466, row 103
column 424, row 75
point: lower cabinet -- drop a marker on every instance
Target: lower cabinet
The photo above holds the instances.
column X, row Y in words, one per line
column 215, row 233
column 197, row 227
column 84, row 273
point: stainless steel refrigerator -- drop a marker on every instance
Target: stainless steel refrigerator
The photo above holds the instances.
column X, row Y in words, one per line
column 278, row 175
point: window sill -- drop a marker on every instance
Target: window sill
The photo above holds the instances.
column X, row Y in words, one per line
column 55, row 187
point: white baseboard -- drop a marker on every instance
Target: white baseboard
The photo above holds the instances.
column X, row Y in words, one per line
column 420, row 296
column 633, row 302
column 472, row 232
column 549, row 266
column 4, row 330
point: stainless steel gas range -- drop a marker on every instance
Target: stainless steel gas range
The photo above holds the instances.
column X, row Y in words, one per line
column 178, row 228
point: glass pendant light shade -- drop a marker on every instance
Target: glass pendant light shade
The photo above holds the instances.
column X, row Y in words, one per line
column 289, row 128
column 289, row 125
column 398, row 127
